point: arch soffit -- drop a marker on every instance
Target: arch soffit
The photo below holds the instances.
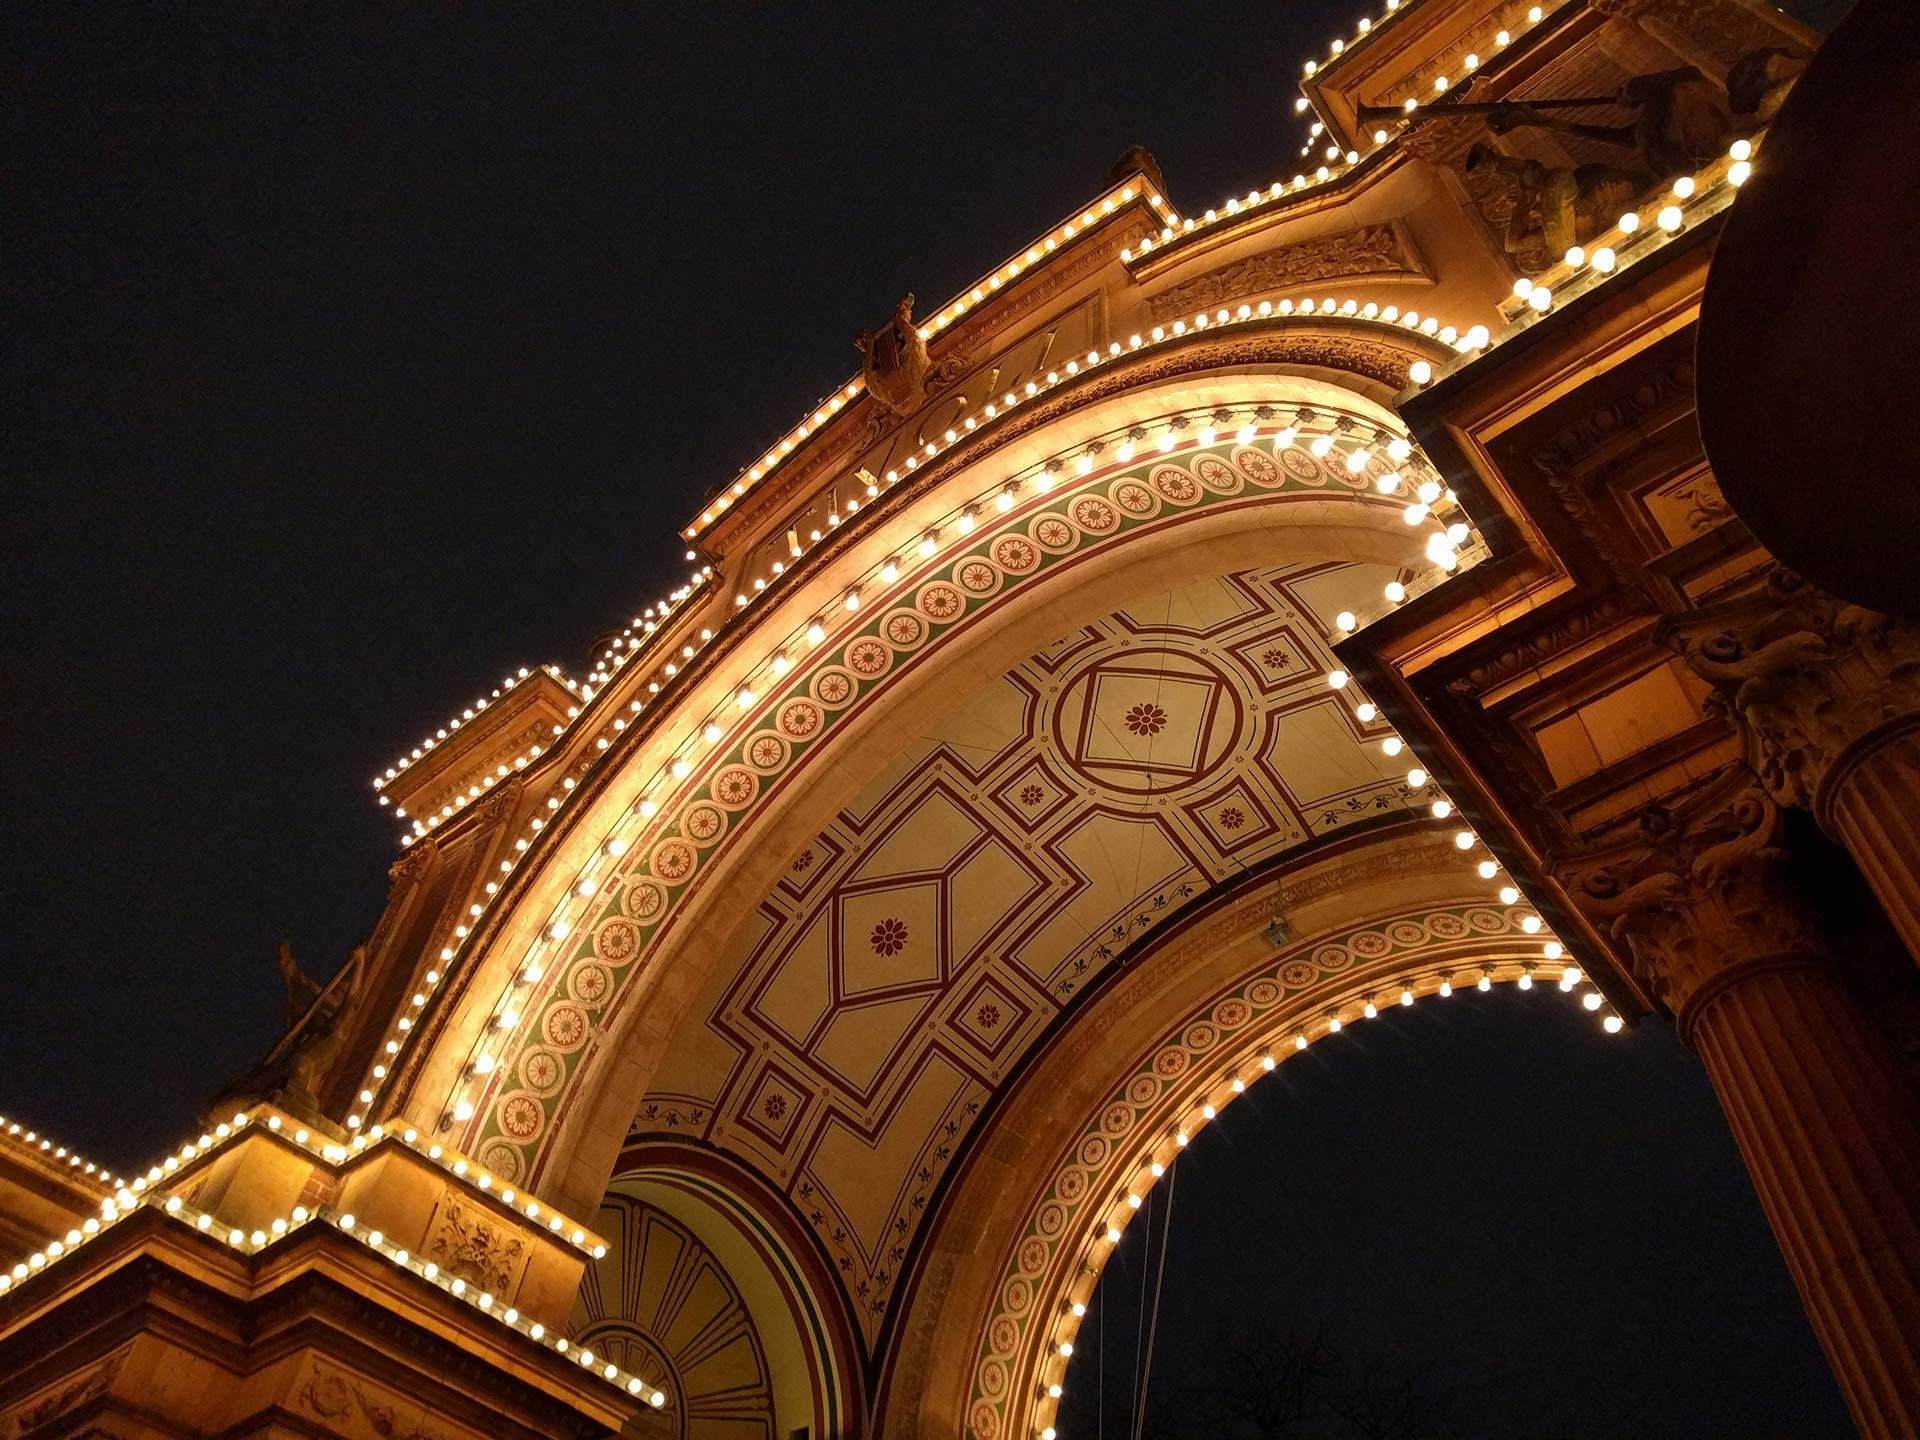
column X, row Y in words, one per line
column 1019, row 1232
column 1349, row 523
column 814, row 1363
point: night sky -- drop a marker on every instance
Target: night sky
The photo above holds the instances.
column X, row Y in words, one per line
column 355, row 357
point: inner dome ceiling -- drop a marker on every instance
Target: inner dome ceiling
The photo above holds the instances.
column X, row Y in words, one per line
column 914, row 950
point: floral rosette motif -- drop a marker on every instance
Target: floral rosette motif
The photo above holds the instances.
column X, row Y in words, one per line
column 1051, row 532
column 767, row 752
column 645, row 900
column 704, row 823
column 1174, row 484
column 521, row 1115
column 904, row 629
column 1094, row 515
column 800, row 719
column 1302, row 467
column 977, row 577
column 939, row 601
column 869, row 658
column 1217, row 475
column 1015, row 554
column 673, row 860
column 833, row 687
column 616, row 941
column 735, row 786
column 1258, row 466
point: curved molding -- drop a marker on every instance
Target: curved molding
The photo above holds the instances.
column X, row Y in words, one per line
column 705, row 1187
column 1020, row 1235
column 584, row 1021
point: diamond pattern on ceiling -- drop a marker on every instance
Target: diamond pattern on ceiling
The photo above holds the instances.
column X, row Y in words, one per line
column 913, row 951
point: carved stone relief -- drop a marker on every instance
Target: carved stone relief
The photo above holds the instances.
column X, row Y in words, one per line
column 466, row 1241
column 1372, row 251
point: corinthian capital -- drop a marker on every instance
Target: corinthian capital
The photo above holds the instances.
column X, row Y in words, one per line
column 1804, row 676
column 1694, row 893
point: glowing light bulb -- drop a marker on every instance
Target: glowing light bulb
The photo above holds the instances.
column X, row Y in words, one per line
column 1337, row 679
column 1420, row 372
column 1669, row 218
column 1365, row 711
column 1485, row 983
column 1391, row 745
column 1464, row 840
column 1345, row 620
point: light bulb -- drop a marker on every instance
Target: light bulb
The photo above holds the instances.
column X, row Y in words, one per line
column 1365, row 711
column 1611, row 1024
column 1391, row 745
column 1420, row 372
column 1337, row 679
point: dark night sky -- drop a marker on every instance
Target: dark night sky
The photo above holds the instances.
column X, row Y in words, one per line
column 353, row 357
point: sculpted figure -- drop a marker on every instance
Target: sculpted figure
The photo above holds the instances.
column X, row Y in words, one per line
column 1680, row 120
column 896, row 361
column 1558, row 207
column 301, row 988
column 1760, row 81
column 320, row 1042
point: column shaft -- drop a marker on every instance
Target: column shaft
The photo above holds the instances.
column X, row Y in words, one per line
column 1830, row 1130
column 1873, row 809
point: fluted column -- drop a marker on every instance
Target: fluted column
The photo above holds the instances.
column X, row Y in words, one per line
column 1826, row 696
column 1715, row 918
column 1870, row 803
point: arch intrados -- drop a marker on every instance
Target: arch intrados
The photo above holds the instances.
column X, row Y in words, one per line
column 798, row 1309
column 969, row 1260
column 704, row 932
column 1345, row 526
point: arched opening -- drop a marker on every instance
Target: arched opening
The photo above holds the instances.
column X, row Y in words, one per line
column 1478, row 1216
column 705, row 1291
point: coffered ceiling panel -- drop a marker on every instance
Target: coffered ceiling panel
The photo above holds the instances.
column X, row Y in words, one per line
column 925, row 938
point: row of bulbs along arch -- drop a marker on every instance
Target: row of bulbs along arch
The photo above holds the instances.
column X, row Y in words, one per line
column 632, row 642
column 1400, row 473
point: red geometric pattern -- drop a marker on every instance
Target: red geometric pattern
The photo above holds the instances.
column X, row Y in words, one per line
column 909, row 954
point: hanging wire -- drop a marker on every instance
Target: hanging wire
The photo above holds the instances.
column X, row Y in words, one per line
column 1144, row 1375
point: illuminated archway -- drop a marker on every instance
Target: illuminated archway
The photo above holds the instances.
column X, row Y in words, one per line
column 669, row 825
